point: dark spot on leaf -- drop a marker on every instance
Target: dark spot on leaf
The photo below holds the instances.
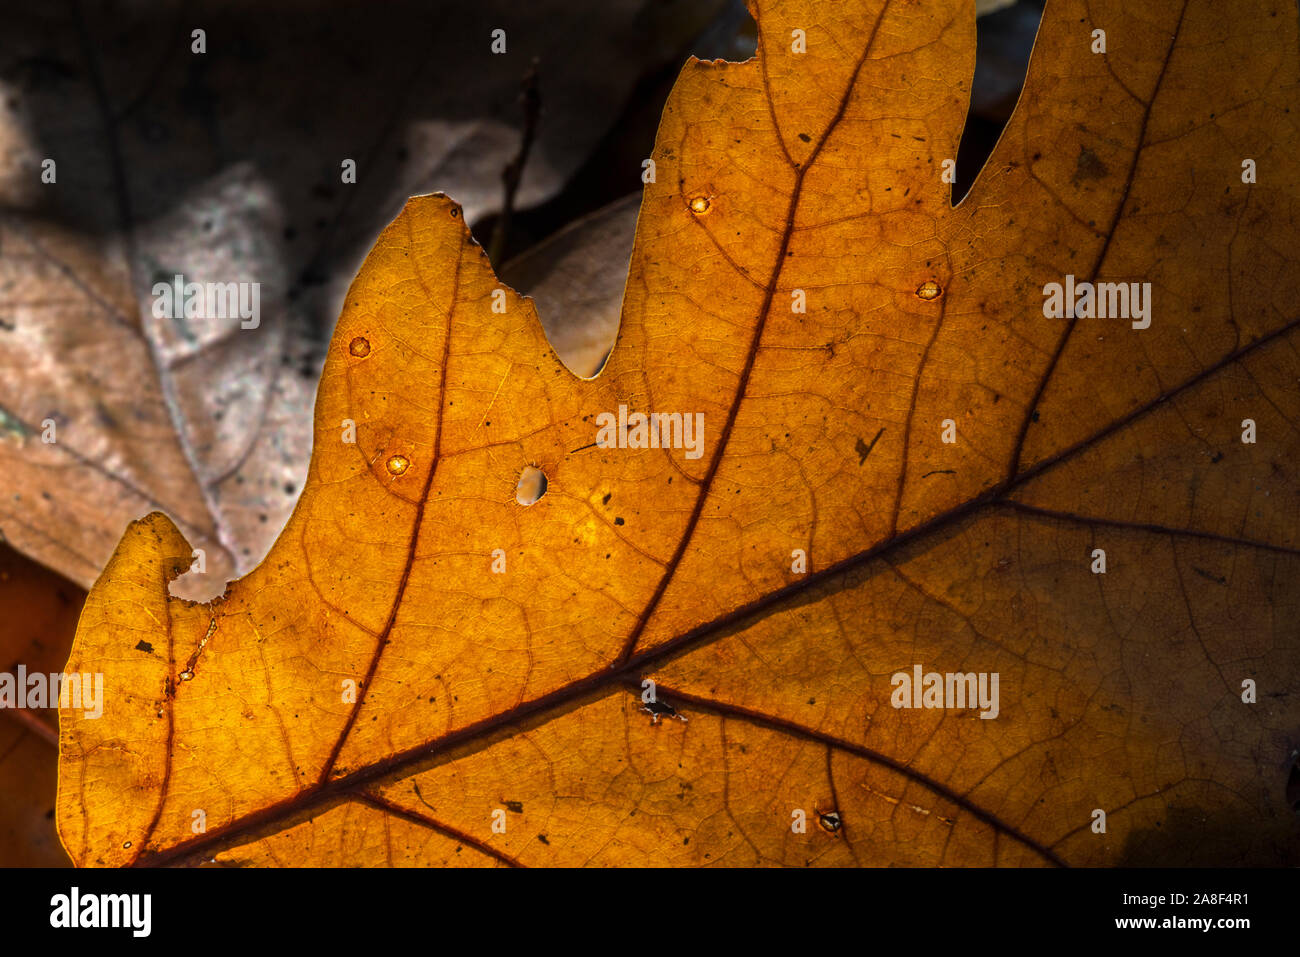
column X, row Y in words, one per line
column 863, row 449
column 1217, row 579
column 1088, row 166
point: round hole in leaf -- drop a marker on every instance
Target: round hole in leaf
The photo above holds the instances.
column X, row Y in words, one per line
column 532, row 485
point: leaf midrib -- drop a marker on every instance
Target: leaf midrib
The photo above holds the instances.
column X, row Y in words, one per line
column 756, row 338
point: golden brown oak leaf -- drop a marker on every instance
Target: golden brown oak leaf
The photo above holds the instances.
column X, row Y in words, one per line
column 515, row 696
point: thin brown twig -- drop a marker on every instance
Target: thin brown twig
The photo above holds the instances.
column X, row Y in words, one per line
column 514, row 171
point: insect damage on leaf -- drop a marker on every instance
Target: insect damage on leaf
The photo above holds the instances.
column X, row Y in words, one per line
column 974, row 632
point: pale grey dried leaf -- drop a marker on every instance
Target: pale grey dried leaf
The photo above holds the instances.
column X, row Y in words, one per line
column 577, row 278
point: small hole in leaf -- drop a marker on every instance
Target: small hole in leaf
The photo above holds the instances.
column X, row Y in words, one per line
column 929, row 290
column 532, row 485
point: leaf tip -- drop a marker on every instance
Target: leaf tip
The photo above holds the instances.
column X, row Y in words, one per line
column 155, row 539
